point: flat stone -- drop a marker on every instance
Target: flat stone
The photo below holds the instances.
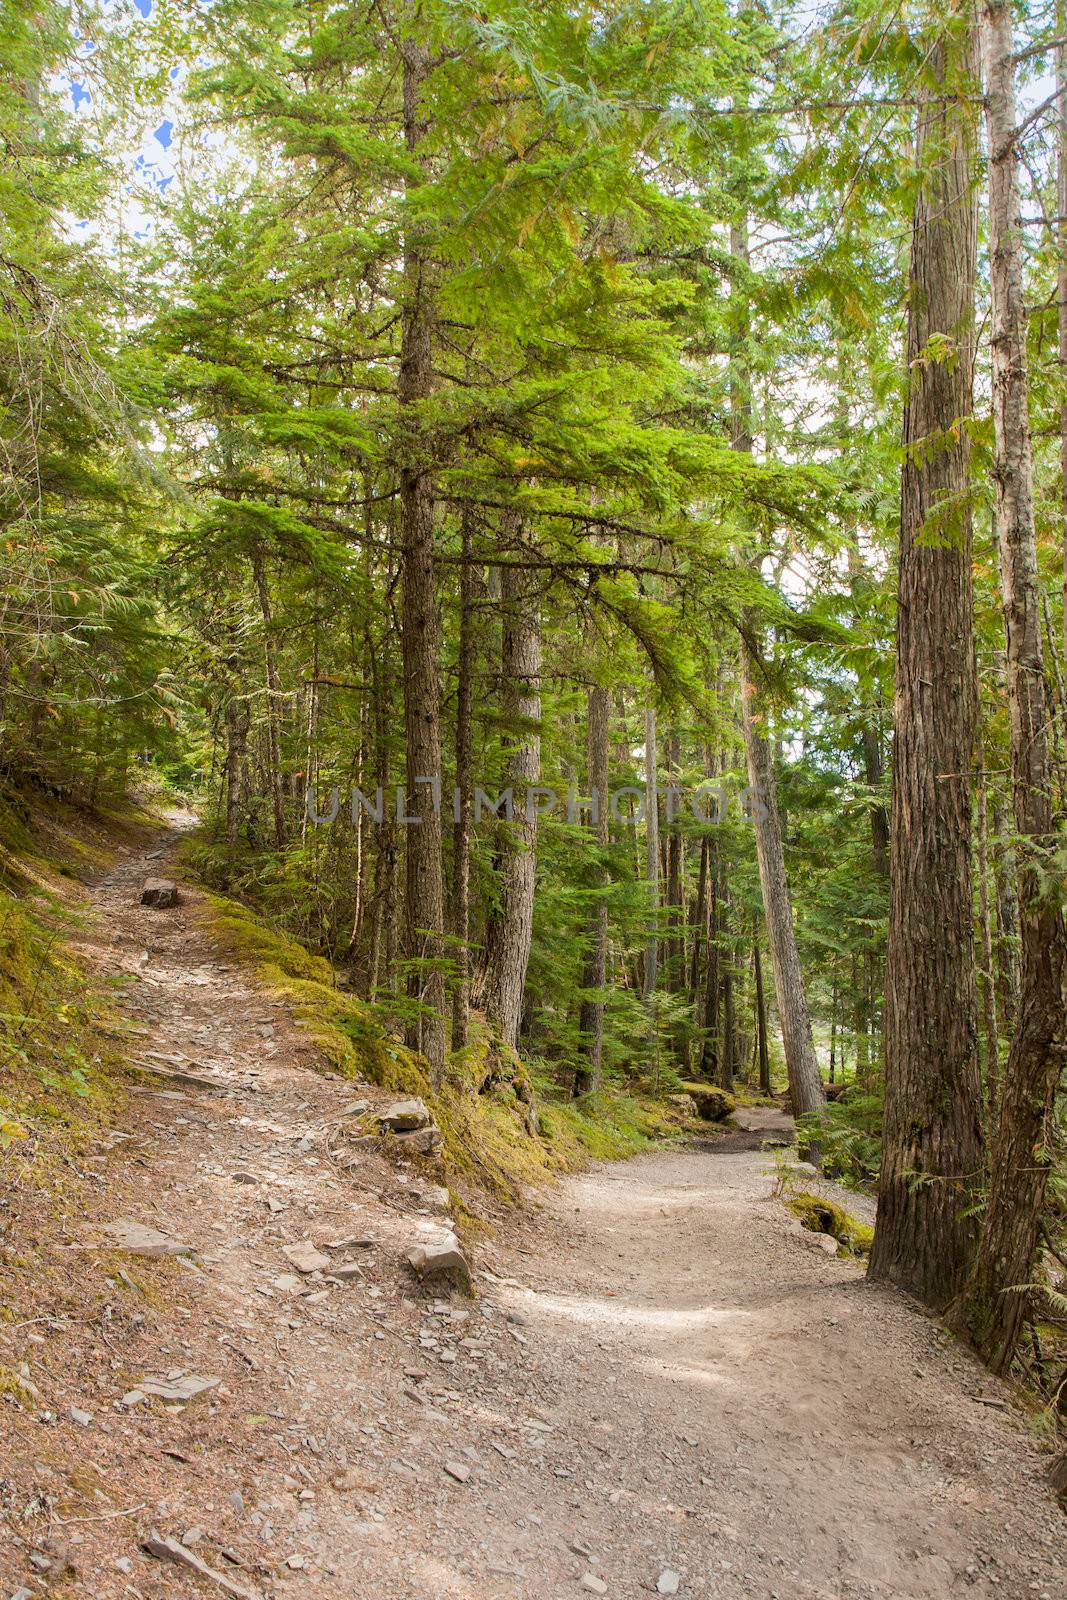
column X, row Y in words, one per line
column 82, row 1418
column 305, row 1257
column 404, row 1115
column 138, row 1240
column 457, row 1470
column 178, row 1390
column 357, row 1108
column 161, row 893
column 594, row 1584
column 668, row 1582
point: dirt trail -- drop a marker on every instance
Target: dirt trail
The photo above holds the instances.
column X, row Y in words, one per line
column 661, row 1377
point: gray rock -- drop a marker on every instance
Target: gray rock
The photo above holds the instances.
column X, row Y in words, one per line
column 124, row 1565
column 442, row 1262
column 349, row 1273
column 421, row 1141
column 404, row 1115
column 82, row 1418
column 133, row 1397
column 594, row 1584
column 358, row 1108
column 178, row 1389
column 827, row 1242
column 23, row 1594
column 161, row 893
column 171, row 1550
column 138, row 1240
column 305, row 1257
column 667, row 1582
column 457, row 1470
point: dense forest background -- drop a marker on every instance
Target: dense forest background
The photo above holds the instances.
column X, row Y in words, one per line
column 657, row 400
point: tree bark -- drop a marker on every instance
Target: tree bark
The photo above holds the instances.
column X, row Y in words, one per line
column 1007, row 928
column 1061, row 289
column 675, row 944
column 988, row 984
column 511, row 933
column 274, row 743
column 932, row 1149
column 991, row 1308
column 709, row 1051
column 424, row 879
column 761, row 1018
column 805, row 1080
column 591, row 1018
column 461, row 832
column 237, row 720
column 651, row 850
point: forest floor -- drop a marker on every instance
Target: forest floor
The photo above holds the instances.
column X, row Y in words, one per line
column 663, row 1385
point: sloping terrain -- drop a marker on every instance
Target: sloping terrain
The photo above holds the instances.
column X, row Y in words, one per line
column 663, row 1381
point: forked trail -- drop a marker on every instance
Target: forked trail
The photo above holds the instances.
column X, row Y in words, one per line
column 661, row 1383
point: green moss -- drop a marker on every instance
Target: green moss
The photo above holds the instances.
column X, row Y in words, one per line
column 824, row 1216
column 15, row 1388
column 57, row 1067
column 713, row 1104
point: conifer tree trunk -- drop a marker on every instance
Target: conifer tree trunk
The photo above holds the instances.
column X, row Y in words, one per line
column 508, row 945
column 591, row 1019
column 424, row 881
column 675, row 943
column 274, row 756
column 237, row 721
column 709, row 1052
column 461, row 833
column 761, row 1018
column 873, row 758
column 923, row 1240
column 651, row 849
column 991, row 1308
column 988, row 985
column 729, row 1021
column 1004, row 876
column 805, row 1080
column 1061, row 287
column 699, row 926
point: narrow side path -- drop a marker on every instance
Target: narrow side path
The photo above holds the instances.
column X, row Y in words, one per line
column 662, row 1381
